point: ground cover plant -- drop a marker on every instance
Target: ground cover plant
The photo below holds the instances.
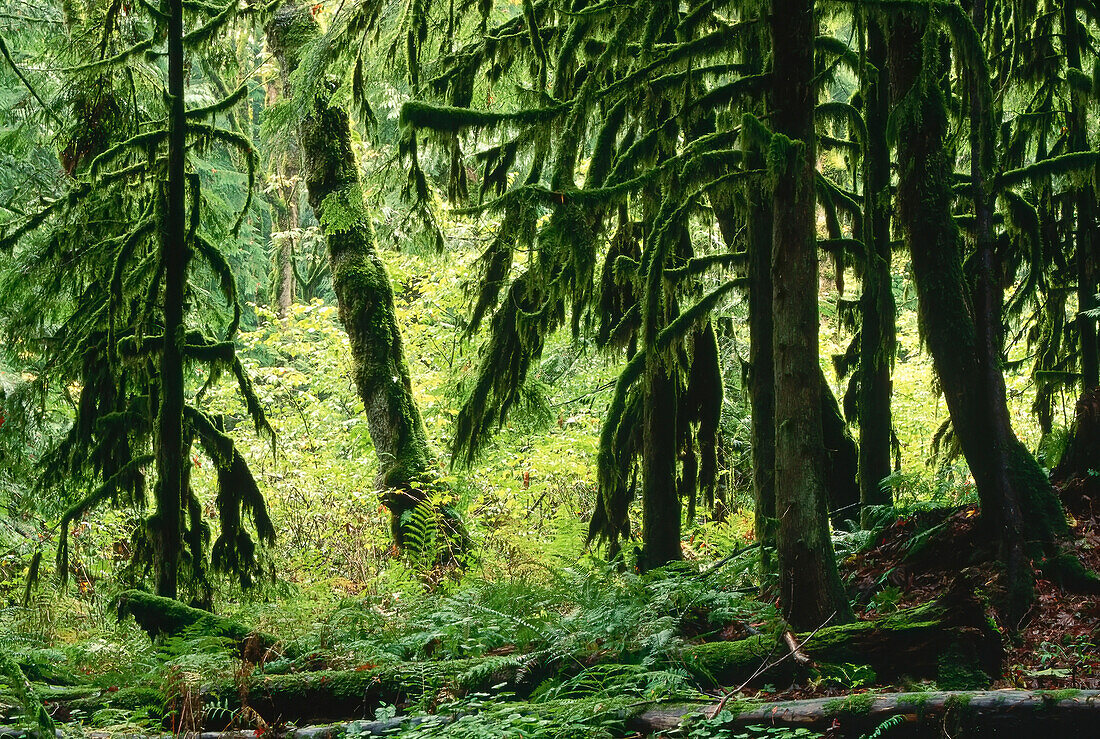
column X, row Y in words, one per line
column 551, row 368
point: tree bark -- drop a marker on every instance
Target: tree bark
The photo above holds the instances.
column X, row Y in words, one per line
column 362, row 286
column 167, row 522
column 878, row 329
column 761, row 364
column 1010, row 484
column 660, row 501
column 810, row 590
column 841, row 459
column 288, row 219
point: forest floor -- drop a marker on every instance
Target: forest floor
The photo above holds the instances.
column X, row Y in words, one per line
column 591, row 647
column 921, row 555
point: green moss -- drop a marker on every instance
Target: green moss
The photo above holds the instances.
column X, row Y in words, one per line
column 716, row 663
column 1055, row 696
column 959, row 670
column 958, row 701
column 137, row 700
column 164, row 616
column 916, row 700
column 851, row 704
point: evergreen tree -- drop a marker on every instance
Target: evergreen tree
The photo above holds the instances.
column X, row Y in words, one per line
column 1019, row 509
column 810, row 592
column 111, row 289
column 642, row 186
column 878, row 325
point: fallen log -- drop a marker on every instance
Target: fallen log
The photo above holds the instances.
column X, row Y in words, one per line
column 331, row 695
column 975, row 715
column 163, row 616
column 949, row 640
column 1003, row 713
column 159, row 616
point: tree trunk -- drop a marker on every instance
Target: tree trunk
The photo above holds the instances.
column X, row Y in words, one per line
column 1084, row 200
column 285, row 291
column 878, row 330
column 288, row 219
column 810, row 591
column 660, row 502
column 362, row 286
column 985, row 713
column 841, row 459
column 761, row 365
column 167, row 522
column 1010, row 484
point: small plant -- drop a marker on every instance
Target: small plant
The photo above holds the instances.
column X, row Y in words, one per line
column 886, row 600
column 885, row 726
column 719, row 728
column 1074, row 658
column 846, row 676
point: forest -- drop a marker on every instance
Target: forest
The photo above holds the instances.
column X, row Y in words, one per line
column 549, row 368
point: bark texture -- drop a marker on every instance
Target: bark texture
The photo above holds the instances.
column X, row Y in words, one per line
column 810, row 590
column 878, row 327
column 171, row 487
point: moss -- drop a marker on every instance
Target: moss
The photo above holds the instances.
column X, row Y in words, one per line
column 959, row 670
column 916, row 700
column 1066, row 570
column 164, row 616
column 958, row 701
column 143, row 701
column 858, row 704
column 721, row 662
column 1051, row 697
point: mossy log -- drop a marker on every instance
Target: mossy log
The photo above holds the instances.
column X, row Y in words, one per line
column 166, row 617
column 950, row 641
column 995, row 713
column 1002, row 713
column 344, row 694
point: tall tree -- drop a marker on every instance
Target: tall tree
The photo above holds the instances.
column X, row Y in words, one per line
column 810, row 591
column 1019, row 509
column 132, row 211
column 650, row 164
column 878, row 323
column 406, row 472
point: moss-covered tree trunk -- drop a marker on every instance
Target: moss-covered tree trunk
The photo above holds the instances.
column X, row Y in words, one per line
column 362, row 286
column 841, row 459
column 810, row 589
column 166, row 524
column 660, row 498
column 758, row 243
column 1010, row 484
column 761, row 367
column 1084, row 201
column 878, row 330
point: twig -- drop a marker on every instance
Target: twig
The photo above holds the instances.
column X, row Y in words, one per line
column 726, row 560
column 767, row 666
